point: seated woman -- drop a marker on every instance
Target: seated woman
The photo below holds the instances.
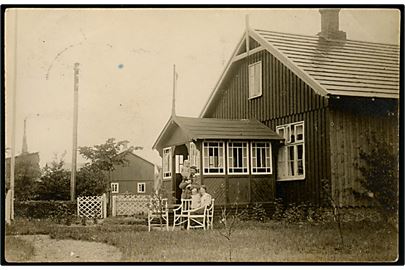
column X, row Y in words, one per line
column 195, row 198
column 205, row 197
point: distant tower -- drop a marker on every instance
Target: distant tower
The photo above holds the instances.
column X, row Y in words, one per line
column 24, row 144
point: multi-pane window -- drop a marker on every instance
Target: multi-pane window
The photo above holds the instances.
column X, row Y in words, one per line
column 261, row 158
column 291, row 157
column 141, row 187
column 214, row 157
column 195, row 157
column 167, row 162
column 238, row 158
column 115, row 187
column 255, row 79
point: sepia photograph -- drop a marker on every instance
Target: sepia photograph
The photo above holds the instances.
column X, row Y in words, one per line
column 197, row 135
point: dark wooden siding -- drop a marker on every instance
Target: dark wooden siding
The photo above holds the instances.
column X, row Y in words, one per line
column 131, row 186
column 285, row 99
column 352, row 122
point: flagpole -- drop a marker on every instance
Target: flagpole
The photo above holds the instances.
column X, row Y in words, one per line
column 174, row 91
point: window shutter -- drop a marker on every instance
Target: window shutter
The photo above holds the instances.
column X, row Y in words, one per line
column 281, row 168
column 251, row 80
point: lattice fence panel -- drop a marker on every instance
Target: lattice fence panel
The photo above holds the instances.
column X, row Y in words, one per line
column 90, row 206
column 128, row 204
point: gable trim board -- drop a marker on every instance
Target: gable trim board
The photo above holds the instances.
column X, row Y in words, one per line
column 310, row 71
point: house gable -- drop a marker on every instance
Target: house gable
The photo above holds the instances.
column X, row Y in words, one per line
column 283, row 94
column 137, row 168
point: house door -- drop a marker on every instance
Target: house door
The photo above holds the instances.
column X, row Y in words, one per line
column 181, row 154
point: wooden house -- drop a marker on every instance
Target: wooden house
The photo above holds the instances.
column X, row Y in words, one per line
column 136, row 176
column 321, row 96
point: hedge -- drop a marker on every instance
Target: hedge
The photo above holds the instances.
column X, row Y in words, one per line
column 55, row 210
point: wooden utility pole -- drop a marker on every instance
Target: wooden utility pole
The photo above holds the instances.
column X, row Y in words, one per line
column 13, row 129
column 74, row 145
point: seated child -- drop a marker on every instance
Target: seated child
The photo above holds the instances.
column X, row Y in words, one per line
column 195, row 198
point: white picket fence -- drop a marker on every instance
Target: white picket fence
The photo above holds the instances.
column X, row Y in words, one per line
column 92, row 206
column 129, row 205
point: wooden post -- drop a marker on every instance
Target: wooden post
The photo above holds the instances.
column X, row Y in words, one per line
column 114, row 205
column 74, row 145
column 104, row 205
column 78, row 202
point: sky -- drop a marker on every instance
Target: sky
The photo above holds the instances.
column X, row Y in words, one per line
column 126, row 61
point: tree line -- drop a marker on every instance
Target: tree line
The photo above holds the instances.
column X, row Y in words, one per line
column 52, row 182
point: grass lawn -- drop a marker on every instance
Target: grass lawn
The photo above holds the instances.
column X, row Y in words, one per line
column 251, row 242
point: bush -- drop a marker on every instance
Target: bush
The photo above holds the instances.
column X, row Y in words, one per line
column 54, row 210
column 258, row 212
column 380, row 175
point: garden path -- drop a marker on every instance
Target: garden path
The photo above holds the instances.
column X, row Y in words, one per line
column 53, row 250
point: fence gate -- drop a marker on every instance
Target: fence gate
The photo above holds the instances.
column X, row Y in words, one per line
column 92, row 206
column 128, row 204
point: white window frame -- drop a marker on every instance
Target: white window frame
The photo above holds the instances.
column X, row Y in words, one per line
column 252, row 75
column 167, row 174
column 289, row 130
column 230, row 156
column 195, row 157
column 206, row 166
column 115, row 187
column 144, row 187
column 270, row 157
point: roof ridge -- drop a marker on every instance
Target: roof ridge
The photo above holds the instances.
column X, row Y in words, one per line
column 333, row 40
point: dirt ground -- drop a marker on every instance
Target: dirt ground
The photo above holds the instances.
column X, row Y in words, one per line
column 52, row 250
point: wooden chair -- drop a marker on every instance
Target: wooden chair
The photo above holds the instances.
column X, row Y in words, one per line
column 181, row 213
column 158, row 210
column 196, row 218
column 209, row 213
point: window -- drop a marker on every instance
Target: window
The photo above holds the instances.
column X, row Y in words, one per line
column 214, row 157
column 115, row 187
column 255, row 80
column 291, row 157
column 195, row 157
column 238, row 158
column 167, row 162
column 261, row 158
column 141, row 187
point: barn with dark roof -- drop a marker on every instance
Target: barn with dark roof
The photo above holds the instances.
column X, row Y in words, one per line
column 312, row 103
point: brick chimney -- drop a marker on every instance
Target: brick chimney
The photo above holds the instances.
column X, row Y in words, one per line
column 330, row 24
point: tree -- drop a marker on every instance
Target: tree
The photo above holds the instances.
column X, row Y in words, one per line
column 55, row 182
column 26, row 174
column 91, row 181
column 101, row 161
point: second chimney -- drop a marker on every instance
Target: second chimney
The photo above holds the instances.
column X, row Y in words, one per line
column 330, row 24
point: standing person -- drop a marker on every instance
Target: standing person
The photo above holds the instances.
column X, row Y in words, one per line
column 185, row 174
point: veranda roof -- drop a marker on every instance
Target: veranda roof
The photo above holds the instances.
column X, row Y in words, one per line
column 181, row 129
